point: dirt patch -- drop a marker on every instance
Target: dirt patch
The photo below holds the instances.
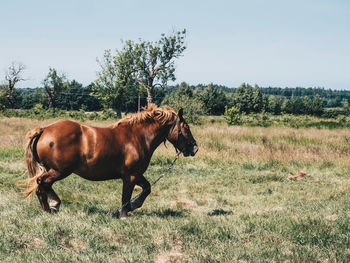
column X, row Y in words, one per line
column 38, row 243
column 298, row 176
column 267, row 210
column 184, row 203
column 331, row 217
column 77, row 244
column 172, row 256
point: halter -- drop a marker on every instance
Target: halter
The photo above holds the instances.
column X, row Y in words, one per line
column 179, row 132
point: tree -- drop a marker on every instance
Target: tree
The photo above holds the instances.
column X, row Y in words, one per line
column 13, row 75
column 113, row 81
column 287, row 106
column 76, row 97
column 307, row 105
column 184, row 89
column 274, row 105
column 184, row 98
column 213, row 99
column 142, row 64
column 317, row 105
column 243, row 98
column 31, row 97
column 193, row 107
column 257, row 100
column 3, row 100
column 298, row 106
column 54, row 84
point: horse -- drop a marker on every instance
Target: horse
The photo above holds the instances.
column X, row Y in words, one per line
column 121, row 151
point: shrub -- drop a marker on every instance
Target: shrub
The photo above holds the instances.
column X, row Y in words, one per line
column 77, row 115
column 92, row 116
column 233, row 116
column 333, row 112
column 108, row 114
column 3, row 100
column 193, row 108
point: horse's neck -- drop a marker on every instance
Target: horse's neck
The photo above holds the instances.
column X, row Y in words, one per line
column 156, row 135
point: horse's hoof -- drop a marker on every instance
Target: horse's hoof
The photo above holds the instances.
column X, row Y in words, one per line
column 54, row 210
column 123, row 216
column 54, row 206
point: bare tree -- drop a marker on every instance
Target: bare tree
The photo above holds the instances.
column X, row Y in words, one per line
column 13, row 75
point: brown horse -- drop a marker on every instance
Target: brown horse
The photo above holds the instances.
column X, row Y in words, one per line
column 122, row 150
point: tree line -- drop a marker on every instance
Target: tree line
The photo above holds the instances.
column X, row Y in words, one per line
column 58, row 92
column 139, row 73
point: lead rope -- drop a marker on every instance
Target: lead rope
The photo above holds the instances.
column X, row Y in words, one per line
column 153, row 183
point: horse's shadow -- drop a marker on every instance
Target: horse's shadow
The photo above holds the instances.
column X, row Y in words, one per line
column 161, row 213
column 219, row 212
column 165, row 213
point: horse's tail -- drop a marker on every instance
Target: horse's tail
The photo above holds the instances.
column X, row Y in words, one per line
column 35, row 169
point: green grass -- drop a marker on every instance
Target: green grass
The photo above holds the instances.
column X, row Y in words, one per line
column 231, row 203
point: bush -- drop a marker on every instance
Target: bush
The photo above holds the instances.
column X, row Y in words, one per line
column 38, row 112
column 333, row 112
column 3, row 100
column 77, row 115
column 108, row 114
column 233, row 116
column 193, row 108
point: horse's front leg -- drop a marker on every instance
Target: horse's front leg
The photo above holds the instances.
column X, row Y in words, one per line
column 146, row 190
column 128, row 187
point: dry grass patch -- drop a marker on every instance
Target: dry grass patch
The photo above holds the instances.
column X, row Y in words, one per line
column 186, row 203
column 298, row 176
column 174, row 255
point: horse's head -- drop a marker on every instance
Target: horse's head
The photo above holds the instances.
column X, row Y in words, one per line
column 181, row 137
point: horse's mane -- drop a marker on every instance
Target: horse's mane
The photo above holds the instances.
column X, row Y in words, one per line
column 150, row 114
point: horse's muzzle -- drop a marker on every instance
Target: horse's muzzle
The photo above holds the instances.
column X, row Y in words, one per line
column 191, row 151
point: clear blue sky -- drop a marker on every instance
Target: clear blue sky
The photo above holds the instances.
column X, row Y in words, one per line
column 267, row 42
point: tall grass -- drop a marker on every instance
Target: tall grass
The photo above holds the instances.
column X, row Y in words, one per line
column 232, row 202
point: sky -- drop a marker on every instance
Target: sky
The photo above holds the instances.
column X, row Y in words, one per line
column 279, row 43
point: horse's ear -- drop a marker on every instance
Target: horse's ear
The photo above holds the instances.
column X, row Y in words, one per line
column 181, row 114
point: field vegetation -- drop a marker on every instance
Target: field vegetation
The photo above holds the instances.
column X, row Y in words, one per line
column 252, row 194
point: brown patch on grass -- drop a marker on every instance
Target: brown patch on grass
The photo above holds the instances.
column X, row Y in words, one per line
column 77, row 244
column 332, row 217
column 204, row 201
column 185, row 203
column 286, row 252
column 267, row 210
column 38, row 243
column 174, row 255
column 298, row 176
column 346, row 187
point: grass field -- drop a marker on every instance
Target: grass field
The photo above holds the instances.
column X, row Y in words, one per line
column 233, row 202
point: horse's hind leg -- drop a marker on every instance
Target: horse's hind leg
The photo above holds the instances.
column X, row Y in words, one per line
column 49, row 200
column 146, row 190
column 42, row 196
column 54, row 200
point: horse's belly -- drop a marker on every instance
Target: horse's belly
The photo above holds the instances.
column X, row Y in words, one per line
column 97, row 175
